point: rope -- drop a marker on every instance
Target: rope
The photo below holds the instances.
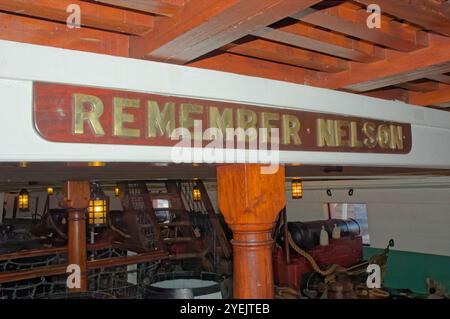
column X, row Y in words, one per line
column 334, row 268
column 115, row 229
column 55, row 228
column 376, row 292
column 329, row 271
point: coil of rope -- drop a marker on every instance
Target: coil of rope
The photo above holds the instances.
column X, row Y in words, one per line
column 334, row 268
column 115, row 229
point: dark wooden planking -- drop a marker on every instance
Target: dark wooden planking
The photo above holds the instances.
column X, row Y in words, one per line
column 271, row 51
column 209, row 27
column 35, row 31
column 92, row 15
column 395, row 69
column 352, row 22
column 314, row 45
column 430, row 14
column 159, row 7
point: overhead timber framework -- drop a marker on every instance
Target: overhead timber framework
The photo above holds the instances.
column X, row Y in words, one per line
column 319, row 43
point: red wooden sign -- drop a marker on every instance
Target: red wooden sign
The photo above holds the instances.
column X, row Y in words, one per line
column 74, row 114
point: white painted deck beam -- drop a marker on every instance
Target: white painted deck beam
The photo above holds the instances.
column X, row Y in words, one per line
column 21, row 64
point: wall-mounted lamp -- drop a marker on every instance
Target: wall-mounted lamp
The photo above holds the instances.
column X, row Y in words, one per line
column 98, row 206
column 96, row 164
column 297, row 188
column 24, row 200
column 117, row 191
column 50, row 190
column 196, row 194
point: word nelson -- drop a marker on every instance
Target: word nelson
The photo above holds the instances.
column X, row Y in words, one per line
column 159, row 120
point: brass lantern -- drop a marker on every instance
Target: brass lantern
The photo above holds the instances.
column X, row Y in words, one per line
column 196, row 194
column 24, row 200
column 98, row 206
column 297, row 188
column 117, row 191
column 50, row 190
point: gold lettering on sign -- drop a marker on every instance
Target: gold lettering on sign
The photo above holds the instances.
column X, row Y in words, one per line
column 186, row 109
column 369, row 130
column 120, row 117
column 266, row 119
column 160, row 123
column 326, row 133
column 290, row 130
column 221, row 121
column 342, row 128
column 396, row 137
column 92, row 116
column 246, row 119
column 383, row 136
column 354, row 141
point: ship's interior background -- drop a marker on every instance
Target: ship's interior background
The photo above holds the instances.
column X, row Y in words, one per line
column 155, row 231
column 140, row 248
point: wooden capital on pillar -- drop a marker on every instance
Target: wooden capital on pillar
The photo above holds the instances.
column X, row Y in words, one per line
column 250, row 202
column 76, row 200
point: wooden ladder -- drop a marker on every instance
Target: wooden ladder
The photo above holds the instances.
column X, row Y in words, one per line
column 176, row 236
column 139, row 218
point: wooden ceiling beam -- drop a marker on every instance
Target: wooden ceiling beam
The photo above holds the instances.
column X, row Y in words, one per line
column 271, row 51
column 440, row 78
column 419, row 87
column 203, row 27
column 41, row 32
column 360, row 51
column 348, row 50
column 352, row 22
column 92, row 15
column 395, row 69
column 391, row 93
column 429, row 14
column 158, row 7
column 439, row 97
column 243, row 65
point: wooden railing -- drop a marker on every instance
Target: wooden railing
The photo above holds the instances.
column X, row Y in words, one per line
column 17, row 275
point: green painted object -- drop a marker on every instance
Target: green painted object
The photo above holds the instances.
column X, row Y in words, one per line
column 408, row 270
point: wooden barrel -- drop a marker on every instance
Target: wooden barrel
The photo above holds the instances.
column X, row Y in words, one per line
column 188, row 285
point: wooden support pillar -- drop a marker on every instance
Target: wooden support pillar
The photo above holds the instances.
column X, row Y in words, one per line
column 76, row 200
column 250, row 202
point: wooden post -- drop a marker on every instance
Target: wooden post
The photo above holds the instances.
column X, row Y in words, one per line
column 76, row 200
column 251, row 202
column 285, row 235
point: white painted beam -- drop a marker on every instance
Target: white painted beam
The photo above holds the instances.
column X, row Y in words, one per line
column 20, row 64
